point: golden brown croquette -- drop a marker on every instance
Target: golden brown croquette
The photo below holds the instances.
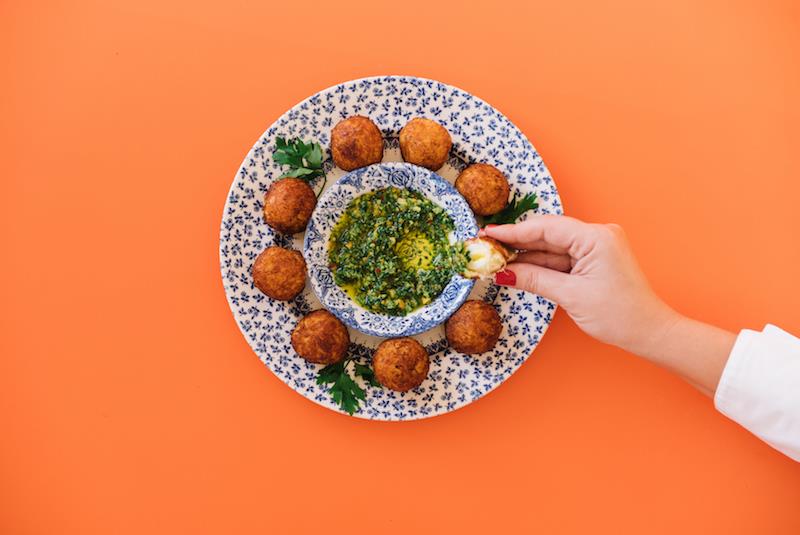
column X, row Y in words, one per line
column 321, row 338
column 474, row 328
column 425, row 143
column 356, row 142
column 400, row 364
column 280, row 273
column 487, row 256
column 288, row 205
column 484, row 187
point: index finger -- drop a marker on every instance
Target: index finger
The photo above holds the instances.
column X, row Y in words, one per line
column 556, row 230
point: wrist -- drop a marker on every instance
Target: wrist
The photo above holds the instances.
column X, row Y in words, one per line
column 653, row 329
column 693, row 349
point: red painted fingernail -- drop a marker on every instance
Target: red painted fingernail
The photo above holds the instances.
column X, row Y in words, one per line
column 505, row 277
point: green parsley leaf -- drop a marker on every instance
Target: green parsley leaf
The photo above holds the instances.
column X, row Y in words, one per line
column 330, row 373
column 304, row 159
column 367, row 374
column 314, row 156
column 344, row 391
column 513, row 211
column 285, row 158
column 297, row 172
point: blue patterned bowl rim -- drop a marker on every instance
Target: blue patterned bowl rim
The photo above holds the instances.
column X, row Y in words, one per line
column 330, row 207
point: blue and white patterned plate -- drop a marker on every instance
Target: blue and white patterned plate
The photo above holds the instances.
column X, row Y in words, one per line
column 480, row 134
column 329, row 210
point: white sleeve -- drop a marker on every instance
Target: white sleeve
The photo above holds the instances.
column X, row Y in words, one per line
column 760, row 387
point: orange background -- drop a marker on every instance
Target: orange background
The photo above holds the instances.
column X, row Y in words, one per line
column 130, row 402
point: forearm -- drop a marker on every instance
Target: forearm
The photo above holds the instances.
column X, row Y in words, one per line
column 694, row 350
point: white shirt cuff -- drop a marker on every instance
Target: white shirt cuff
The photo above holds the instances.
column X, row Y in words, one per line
column 760, row 387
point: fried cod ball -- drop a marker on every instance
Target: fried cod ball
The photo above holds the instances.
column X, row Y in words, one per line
column 321, row 338
column 400, row 364
column 280, row 273
column 484, row 187
column 487, row 256
column 474, row 328
column 356, row 142
column 288, row 205
column 425, row 143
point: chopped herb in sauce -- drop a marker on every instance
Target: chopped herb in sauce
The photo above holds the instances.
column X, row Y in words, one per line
column 391, row 251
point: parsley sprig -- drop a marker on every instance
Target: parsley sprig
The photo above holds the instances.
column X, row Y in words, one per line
column 343, row 389
column 515, row 208
column 304, row 159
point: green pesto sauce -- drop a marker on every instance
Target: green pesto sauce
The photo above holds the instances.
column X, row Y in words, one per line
column 391, row 251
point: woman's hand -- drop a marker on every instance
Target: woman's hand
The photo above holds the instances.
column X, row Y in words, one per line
column 591, row 272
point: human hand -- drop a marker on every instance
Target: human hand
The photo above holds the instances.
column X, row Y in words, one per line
column 589, row 270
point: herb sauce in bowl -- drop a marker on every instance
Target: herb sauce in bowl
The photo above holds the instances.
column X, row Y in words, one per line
column 393, row 251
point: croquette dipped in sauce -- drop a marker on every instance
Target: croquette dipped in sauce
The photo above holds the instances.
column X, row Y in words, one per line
column 425, row 143
column 288, row 205
column 474, row 328
column 321, row 338
column 400, row 364
column 280, row 273
column 484, row 187
column 356, row 142
column 487, row 256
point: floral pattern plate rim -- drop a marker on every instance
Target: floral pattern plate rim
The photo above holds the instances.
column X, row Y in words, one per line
column 480, row 134
column 330, row 207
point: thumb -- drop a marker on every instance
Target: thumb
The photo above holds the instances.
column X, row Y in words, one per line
column 535, row 279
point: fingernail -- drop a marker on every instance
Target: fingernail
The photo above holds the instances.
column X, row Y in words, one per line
column 505, row 278
column 482, row 232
